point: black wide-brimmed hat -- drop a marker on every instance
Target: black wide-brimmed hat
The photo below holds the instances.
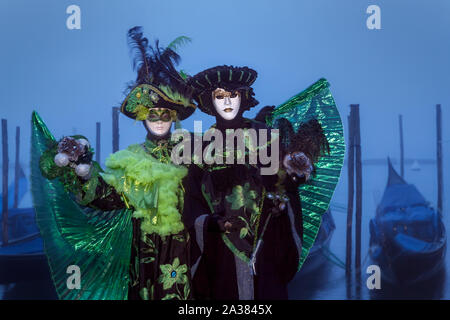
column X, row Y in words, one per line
column 229, row 78
column 158, row 83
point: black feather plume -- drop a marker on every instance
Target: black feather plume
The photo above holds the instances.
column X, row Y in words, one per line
column 264, row 114
column 286, row 134
column 156, row 65
column 309, row 138
column 138, row 45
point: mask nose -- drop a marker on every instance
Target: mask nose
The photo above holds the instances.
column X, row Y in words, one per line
column 227, row 101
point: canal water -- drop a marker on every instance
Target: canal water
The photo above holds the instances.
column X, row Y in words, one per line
column 328, row 281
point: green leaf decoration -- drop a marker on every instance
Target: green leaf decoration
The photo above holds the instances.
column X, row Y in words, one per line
column 183, row 75
column 144, row 294
column 147, row 259
column 178, row 42
column 179, row 238
column 243, row 233
column 171, row 296
column 243, row 196
column 186, row 291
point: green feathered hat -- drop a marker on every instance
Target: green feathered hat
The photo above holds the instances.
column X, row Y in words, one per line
column 145, row 96
column 158, row 83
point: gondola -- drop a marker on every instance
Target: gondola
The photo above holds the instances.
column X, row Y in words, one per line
column 313, row 275
column 407, row 236
column 318, row 253
column 22, row 258
column 21, row 191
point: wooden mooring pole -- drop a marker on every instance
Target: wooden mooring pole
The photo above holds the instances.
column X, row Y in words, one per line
column 97, row 142
column 350, row 172
column 402, row 162
column 115, row 127
column 5, row 167
column 354, row 166
column 358, row 200
column 440, row 174
column 17, row 170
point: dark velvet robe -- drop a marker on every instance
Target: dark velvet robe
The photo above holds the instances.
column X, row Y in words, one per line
column 148, row 281
column 220, row 262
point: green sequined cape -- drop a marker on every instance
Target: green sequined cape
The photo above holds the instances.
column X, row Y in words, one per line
column 97, row 242
column 316, row 102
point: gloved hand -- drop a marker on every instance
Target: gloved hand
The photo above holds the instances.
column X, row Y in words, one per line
column 278, row 203
column 292, row 182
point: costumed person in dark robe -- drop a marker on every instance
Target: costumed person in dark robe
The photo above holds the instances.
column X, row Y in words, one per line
column 121, row 227
column 251, row 234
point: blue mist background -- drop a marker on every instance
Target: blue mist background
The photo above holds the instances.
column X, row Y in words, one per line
column 74, row 77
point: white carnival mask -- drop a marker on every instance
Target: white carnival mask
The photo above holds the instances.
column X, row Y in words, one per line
column 227, row 103
column 158, row 128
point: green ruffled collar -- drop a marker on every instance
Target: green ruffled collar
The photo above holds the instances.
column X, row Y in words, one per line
column 151, row 186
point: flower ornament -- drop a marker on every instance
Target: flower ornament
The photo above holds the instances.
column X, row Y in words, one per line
column 297, row 163
column 71, row 147
column 61, row 159
column 76, row 154
column 83, row 170
column 139, row 103
column 173, row 273
column 154, row 97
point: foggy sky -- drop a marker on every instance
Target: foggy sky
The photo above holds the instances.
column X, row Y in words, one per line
column 74, row 77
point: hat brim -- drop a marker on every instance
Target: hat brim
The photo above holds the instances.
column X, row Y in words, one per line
column 162, row 101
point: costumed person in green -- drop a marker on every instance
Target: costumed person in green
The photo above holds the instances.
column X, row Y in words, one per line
column 121, row 228
column 251, row 232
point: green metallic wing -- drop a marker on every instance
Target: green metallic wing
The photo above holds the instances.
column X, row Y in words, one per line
column 98, row 242
column 316, row 102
